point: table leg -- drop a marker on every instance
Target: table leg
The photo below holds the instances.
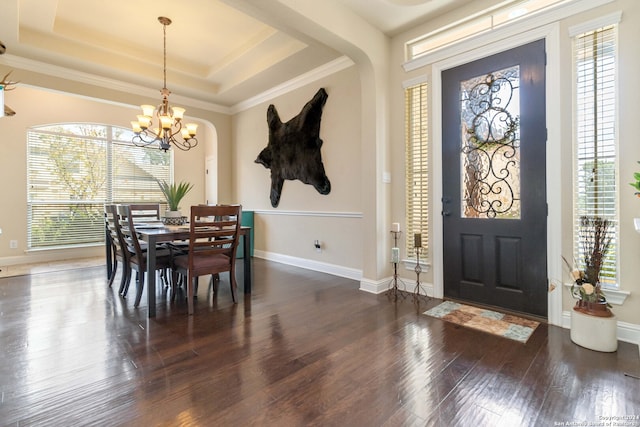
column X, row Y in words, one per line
column 246, row 243
column 151, row 277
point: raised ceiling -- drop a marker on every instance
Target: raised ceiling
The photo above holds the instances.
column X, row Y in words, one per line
column 216, row 53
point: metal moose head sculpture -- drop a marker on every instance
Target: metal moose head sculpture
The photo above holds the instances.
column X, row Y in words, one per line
column 4, row 85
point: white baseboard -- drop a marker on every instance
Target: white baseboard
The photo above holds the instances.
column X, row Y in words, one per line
column 336, row 270
column 383, row 285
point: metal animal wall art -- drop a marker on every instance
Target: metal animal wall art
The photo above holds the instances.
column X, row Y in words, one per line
column 6, row 86
column 293, row 151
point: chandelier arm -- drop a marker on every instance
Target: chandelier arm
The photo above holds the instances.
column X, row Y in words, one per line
column 144, row 138
column 184, row 144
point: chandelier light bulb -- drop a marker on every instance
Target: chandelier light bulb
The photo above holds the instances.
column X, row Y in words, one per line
column 147, row 110
column 192, row 127
column 178, row 113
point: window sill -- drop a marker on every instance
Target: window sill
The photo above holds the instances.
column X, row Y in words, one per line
column 614, row 296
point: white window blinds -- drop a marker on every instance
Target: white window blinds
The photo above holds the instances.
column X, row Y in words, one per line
column 417, row 167
column 74, row 169
column 596, row 147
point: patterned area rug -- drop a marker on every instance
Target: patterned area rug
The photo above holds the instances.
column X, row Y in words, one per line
column 504, row 325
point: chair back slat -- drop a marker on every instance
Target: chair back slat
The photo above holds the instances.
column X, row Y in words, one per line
column 142, row 212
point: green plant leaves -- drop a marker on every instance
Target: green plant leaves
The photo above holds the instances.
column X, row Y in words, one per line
column 174, row 193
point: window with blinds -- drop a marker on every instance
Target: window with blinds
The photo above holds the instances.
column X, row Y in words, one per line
column 73, row 169
column 596, row 146
column 417, row 167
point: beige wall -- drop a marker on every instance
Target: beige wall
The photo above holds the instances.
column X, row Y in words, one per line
column 303, row 214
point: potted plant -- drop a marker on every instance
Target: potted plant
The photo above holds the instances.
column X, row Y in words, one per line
column 593, row 325
column 173, row 194
column 595, row 239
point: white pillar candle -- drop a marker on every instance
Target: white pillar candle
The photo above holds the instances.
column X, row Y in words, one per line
column 395, row 255
column 395, row 227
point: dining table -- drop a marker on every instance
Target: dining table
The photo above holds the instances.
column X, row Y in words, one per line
column 167, row 233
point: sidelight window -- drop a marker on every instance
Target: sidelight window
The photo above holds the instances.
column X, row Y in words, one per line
column 417, row 166
column 595, row 160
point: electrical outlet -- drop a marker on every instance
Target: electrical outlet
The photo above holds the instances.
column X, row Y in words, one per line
column 316, row 244
column 13, row 244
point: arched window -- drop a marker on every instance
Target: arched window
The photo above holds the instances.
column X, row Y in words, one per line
column 73, row 169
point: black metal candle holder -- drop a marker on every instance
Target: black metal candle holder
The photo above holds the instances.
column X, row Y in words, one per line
column 417, row 294
column 394, row 291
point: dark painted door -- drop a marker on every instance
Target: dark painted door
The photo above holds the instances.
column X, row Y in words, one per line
column 494, row 190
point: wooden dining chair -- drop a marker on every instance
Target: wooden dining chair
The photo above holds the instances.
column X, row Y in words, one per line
column 138, row 256
column 213, row 238
column 120, row 253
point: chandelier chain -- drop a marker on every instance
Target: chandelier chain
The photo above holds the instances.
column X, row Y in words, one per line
column 164, row 54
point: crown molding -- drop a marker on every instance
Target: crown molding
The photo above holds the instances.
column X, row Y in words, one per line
column 94, row 80
column 304, row 79
column 327, row 69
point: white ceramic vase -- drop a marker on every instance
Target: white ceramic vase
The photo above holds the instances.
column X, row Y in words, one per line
column 172, row 214
column 593, row 332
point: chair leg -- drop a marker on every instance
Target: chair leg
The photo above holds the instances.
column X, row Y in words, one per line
column 190, row 285
column 140, row 276
column 114, row 270
column 174, row 284
column 234, row 285
column 215, row 278
column 163, row 277
column 124, row 281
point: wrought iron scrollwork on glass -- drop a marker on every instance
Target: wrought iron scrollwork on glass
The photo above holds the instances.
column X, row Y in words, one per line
column 490, row 145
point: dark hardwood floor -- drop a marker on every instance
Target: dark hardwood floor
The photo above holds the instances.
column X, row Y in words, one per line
column 304, row 349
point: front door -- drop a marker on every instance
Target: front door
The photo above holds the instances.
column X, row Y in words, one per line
column 494, row 189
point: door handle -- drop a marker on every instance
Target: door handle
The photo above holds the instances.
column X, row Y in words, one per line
column 446, row 213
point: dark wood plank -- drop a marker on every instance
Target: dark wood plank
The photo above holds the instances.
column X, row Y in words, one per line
column 305, row 348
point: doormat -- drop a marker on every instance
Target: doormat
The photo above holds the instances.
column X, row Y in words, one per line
column 492, row 322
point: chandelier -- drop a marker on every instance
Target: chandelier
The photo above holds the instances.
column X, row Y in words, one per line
column 169, row 128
